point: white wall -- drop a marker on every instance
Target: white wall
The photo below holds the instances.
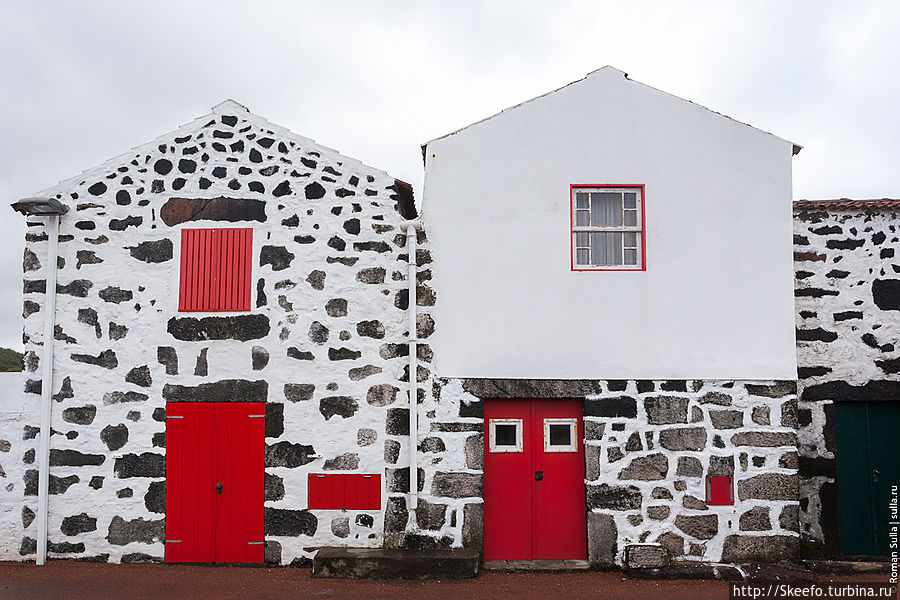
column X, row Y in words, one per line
column 716, row 300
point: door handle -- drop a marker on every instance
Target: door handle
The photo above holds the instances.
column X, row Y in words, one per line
column 538, row 475
column 219, row 487
column 876, row 474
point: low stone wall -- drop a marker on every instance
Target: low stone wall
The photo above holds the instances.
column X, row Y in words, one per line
column 847, row 271
column 648, row 447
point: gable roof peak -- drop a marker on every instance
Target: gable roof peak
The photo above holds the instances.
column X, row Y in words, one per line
column 229, row 104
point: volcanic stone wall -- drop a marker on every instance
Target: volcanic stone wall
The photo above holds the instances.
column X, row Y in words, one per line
column 847, row 273
column 324, row 346
column 648, row 447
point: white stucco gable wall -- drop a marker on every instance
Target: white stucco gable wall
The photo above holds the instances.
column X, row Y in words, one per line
column 716, row 300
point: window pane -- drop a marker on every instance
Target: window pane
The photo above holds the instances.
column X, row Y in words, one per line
column 630, row 257
column 581, row 200
column 630, row 200
column 582, row 239
column 630, row 217
column 606, row 209
column 606, row 248
column 582, row 256
column 504, row 435
column 630, row 239
column 560, row 435
column 582, row 217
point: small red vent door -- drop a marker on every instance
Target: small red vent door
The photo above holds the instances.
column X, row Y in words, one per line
column 344, row 491
column 214, row 482
column 216, row 269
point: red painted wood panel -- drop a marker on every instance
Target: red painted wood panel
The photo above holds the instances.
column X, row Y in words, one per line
column 508, row 479
column 215, row 269
column 719, row 490
column 526, row 517
column 215, row 443
column 559, row 502
column 344, row 491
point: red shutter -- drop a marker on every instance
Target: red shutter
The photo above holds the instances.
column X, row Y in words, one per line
column 215, row 269
column 344, row 491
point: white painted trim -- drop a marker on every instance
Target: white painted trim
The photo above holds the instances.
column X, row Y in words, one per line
column 492, row 436
column 573, row 426
column 47, row 390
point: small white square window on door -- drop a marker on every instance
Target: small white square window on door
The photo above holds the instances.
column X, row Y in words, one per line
column 560, row 435
column 505, row 435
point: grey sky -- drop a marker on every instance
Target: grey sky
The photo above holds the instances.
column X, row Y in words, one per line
column 84, row 81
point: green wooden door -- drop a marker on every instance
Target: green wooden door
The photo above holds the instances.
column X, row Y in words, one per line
column 868, row 455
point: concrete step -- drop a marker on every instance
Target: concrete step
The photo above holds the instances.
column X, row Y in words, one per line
column 382, row 563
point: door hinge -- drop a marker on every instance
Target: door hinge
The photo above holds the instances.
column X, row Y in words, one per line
column 175, row 417
column 256, row 416
column 255, row 543
column 173, row 541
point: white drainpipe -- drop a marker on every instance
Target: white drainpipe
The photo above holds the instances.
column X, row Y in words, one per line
column 411, row 228
column 47, row 390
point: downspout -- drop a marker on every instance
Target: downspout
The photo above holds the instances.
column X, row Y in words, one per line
column 47, row 390
column 412, row 227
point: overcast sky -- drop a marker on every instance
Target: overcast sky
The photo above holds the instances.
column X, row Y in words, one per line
column 81, row 82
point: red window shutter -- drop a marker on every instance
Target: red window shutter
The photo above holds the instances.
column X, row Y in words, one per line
column 215, row 269
column 344, row 491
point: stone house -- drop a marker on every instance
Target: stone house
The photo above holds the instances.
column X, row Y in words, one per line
column 848, row 354
column 597, row 304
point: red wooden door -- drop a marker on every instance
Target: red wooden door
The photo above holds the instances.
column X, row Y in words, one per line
column 214, row 482
column 534, row 480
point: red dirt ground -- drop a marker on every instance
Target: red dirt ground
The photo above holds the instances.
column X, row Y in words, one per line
column 67, row 580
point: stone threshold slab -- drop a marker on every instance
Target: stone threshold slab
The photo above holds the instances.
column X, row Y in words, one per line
column 384, row 563
column 536, row 565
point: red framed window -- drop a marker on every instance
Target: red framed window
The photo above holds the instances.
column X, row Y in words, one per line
column 607, row 227
column 215, row 269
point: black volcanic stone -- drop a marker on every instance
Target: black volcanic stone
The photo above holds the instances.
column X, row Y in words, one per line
column 157, row 251
column 372, row 329
column 343, row 406
column 886, row 293
column 116, row 331
column 318, row 333
column 314, row 191
column 122, row 532
column 227, row 390
column 140, row 376
column 155, row 498
column 76, row 524
column 274, row 488
column 282, row 189
column 343, row 354
column 298, row 354
column 255, row 156
column 841, row 391
column 371, row 275
column 608, row 497
column 351, row 226
column 817, row 334
column 85, row 225
column 77, row 287
column 114, row 436
column 123, row 224
column 106, row 359
column 58, row 485
column 274, row 419
column 162, row 166
column 337, row 243
column 371, row 246
column 288, row 454
column 167, row 356
column 181, row 210
column 80, row 415
column 336, row 307
column 73, row 458
column 316, row 279
column 259, row 358
column 201, row 368
column 97, row 189
column 621, row 406
column 186, row 165
column 397, row 422
column 278, row 256
column 261, row 293
column 240, row 327
column 289, row 522
column 146, row 464
column 299, row 392
column 115, row 295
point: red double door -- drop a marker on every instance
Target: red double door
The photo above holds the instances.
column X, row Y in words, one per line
column 534, row 505
column 215, row 482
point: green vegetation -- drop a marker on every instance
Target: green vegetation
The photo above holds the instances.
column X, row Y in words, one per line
column 10, row 360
